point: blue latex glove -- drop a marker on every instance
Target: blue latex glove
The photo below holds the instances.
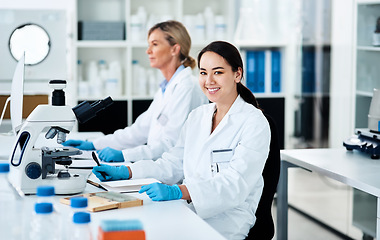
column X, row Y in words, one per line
column 162, row 192
column 109, row 173
column 80, row 144
column 110, row 155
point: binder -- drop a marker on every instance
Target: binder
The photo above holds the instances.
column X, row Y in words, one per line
column 276, row 72
column 308, row 70
column 251, row 73
column 260, row 73
column 256, row 71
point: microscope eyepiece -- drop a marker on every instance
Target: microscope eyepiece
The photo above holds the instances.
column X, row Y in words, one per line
column 58, row 98
column 86, row 111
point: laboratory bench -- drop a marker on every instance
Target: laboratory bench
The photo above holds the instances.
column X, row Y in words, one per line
column 352, row 168
column 161, row 220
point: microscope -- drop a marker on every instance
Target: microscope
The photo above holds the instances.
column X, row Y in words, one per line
column 367, row 140
column 32, row 166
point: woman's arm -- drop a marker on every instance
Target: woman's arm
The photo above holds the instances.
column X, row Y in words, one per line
column 185, row 192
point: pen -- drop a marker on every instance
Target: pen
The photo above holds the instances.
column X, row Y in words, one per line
column 96, row 184
column 95, row 158
column 97, row 162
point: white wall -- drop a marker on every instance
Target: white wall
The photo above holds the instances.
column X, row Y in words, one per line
column 69, row 6
column 342, row 72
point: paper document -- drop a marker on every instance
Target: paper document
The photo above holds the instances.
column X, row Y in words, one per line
column 132, row 185
column 123, row 186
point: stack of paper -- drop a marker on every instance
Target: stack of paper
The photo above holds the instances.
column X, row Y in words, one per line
column 133, row 185
column 122, row 186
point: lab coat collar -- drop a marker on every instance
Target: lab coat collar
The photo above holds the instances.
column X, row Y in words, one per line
column 235, row 108
column 164, row 98
column 164, row 84
column 175, row 80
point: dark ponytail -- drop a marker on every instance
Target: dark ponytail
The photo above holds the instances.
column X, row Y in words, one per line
column 233, row 58
column 247, row 95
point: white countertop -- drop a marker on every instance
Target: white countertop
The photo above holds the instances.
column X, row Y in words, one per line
column 161, row 220
column 353, row 168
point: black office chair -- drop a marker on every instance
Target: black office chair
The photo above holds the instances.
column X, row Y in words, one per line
column 264, row 226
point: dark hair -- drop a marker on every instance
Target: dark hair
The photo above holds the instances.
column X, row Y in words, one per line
column 233, row 58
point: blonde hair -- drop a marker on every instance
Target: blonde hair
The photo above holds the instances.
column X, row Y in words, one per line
column 176, row 33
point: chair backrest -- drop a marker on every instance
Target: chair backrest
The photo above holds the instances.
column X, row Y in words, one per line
column 264, row 226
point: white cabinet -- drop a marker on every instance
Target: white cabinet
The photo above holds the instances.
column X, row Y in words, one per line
column 355, row 66
column 355, row 72
column 367, row 58
column 131, row 50
column 366, row 78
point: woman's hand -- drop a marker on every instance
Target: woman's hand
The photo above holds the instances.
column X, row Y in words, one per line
column 162, row 192
column 110, row 155
column 109, row 173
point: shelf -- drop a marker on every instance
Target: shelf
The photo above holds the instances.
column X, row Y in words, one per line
column 367, row 2
column 200, row 44
column 298, row 96
column 364, row 93
column 89, row 98
column 142, row 97
column 125, row 51
column 269, row 95
column 101, row 44
column 316, row 44
column 368, row 48
column 142, row 44
column 250, row 44
column 116, row 98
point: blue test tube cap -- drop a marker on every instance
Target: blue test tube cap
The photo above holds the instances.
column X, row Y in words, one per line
column 4, row 167
column 45, row 191
column 81, row 217
column 78, row 202
column 43, row 208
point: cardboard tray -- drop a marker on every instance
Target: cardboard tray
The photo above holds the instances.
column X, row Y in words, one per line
column 101, row 201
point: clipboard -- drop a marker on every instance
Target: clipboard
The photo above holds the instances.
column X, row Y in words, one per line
column 102, row 201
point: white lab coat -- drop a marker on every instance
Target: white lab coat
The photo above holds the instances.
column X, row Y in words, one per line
column 158, row 127
column 227, row 200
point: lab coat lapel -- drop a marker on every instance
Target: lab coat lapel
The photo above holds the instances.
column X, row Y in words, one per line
column 170, row 90
column 234, row 108
column 207, row 121
column 203, row 130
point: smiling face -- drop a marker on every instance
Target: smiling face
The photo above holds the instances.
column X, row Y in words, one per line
column 159, row 50
column 217, row 80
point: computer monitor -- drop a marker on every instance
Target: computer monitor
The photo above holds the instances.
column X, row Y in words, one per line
column 17, row 94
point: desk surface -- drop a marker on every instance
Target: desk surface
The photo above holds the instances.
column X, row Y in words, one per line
column 353, row 168
column 161, row 220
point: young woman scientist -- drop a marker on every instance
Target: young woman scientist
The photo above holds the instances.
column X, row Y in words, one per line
column 159, row 127
column 220, row 154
